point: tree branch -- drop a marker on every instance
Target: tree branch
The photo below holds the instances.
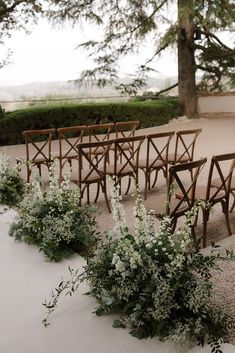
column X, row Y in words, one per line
column 10, row 9
column 212, row 35
column 166, row 89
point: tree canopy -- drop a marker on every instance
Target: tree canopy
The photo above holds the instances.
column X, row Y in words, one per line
column 127, row 23
column 17, row 15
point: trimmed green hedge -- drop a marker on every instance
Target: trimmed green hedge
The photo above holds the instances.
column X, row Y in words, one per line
column 150, row 113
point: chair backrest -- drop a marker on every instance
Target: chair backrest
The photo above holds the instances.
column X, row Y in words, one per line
column 126, row 128
column 88, row 165
column 69, row 138
column 157, row 148
column 38, row 150
column 100, row 132
column 184, row 178
column 129, row 159
column 185, row 144
column 222, row 169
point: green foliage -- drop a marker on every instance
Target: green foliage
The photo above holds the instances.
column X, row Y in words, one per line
column 55, row 221
column 149, row 113
column 156, row 282
column 14, row 16
column 130, row 24
column 12, row 186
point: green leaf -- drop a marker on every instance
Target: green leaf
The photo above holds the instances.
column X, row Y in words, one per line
column 117, row 324
column 138, row 333
column 107, row 300
column 100, row 311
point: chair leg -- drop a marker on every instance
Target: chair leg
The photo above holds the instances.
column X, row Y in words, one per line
column 155, row 179
column 226, row 214
column 205, row 214
column 233, row 205
column 128, row 186
column 173, row 224
column 97, row 192
column 147, row 184
column 88, row 194
column 104, row 189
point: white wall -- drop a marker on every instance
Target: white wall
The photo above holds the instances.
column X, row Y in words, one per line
column 217, row 103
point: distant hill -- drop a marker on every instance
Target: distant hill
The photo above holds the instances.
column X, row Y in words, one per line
column 63, row 89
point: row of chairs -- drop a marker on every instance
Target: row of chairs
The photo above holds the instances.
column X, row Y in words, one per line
column 106, row 154
column 220, row 184
column 157, row 157
column 39, row 154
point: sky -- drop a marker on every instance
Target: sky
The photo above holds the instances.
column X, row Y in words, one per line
column 50, row 54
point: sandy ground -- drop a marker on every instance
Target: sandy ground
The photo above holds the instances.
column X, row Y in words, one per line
column 27, row 278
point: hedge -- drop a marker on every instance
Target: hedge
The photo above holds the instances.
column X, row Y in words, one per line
column 150, row 113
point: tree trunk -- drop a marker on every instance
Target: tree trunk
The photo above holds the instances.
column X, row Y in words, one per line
column 186, row 59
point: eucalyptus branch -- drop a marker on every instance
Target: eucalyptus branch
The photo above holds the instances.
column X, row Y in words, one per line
column 68, row 287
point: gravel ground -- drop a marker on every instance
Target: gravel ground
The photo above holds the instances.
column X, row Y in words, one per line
column 217, row 137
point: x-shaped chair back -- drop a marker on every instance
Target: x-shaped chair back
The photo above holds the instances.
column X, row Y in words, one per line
column 185, row 144
column 126, row 128
column 38, row 152
column 129, row 159
column 157, row 148
column 156, row 158
column 93, row 170
column 222, row 168
column 100, row 132
column 69, row 138
column 125, row 162
column 177, row 176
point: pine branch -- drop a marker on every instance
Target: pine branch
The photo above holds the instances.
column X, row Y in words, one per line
column 166, row 89
column 212, row 35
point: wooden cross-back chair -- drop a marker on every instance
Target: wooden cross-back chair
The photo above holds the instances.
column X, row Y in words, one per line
column 92, row 170
column 125, row 163
column 232, row 193
column 69, row 138
column 218, row 189
column 156, row 158
column 183, row 178
column 184, row 146
column 126, row 129
column 38, row 153
column 99, row 133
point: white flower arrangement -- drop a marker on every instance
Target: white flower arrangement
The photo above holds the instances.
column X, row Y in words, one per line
column 55, row 220
column 158, row 283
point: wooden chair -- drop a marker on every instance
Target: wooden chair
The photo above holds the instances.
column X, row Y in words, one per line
column 125, row 163
column 99, row 133
column 92, row 170
column 232, row 193
column 183, row 178
column 156, row 158
column 69, row 138
column 38, row 153
column 218, row 189
column 126, row 129
column 184, row 146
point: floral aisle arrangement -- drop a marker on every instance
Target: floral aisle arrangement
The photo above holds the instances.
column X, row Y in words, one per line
column 12, row 186
column 155, row 282
column 55, row 221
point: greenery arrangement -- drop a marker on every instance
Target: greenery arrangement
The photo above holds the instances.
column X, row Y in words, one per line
column 158, row 284
column 55, row 220
column 12, row 186
column 150, row 113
